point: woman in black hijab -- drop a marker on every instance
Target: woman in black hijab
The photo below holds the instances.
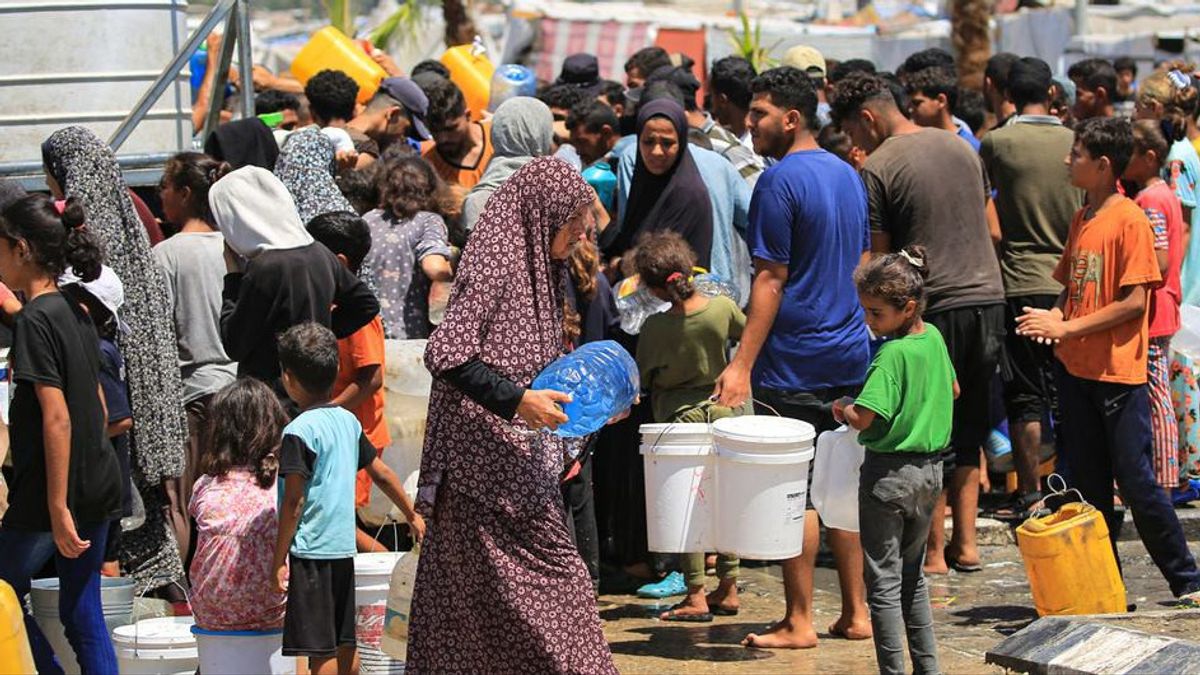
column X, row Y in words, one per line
column 667, row 191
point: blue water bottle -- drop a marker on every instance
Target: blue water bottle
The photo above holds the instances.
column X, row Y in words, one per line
column 602, row 179
column 602, row 379
column 509, row 81
column 198, row 64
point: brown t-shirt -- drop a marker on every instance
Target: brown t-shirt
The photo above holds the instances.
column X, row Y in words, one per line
column 929, row 188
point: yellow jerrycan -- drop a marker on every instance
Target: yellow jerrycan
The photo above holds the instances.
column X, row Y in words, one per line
column 15, row 655
column 1070, row 562
column 330, row 49
column 471, row 70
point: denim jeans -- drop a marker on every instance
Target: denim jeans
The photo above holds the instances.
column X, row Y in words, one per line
column 1106, row 434
column 79, row 609
column 896, row 494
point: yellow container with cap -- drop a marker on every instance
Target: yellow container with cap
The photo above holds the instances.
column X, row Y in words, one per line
column 330, row 49
column 1070, row 562
column 15, row 655
column 471, row 70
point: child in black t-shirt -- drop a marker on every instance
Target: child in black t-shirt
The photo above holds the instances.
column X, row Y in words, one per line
column 102, row 299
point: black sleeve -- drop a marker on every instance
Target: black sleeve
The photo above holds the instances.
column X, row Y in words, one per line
column 366, row 452
column 295, row 457
column 35, row 356
column 354, row 303
column 486, row 387
column 239, row 320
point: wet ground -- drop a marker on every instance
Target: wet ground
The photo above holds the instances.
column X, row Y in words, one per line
column 972, row 612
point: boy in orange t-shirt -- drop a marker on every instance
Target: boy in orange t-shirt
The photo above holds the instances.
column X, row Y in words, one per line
column 1100, row 327
column 359, row 384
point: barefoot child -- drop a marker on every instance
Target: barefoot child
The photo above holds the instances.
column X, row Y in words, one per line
column 903, row 416
column 322, row 450
column 234, row 504
column 680, row 354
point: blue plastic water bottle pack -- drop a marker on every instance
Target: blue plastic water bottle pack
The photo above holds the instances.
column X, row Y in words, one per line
column 602, row 379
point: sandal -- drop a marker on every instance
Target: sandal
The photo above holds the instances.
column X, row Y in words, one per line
column 1019, row 509
column 672, row 584
column 674, row 615
column 965, row 568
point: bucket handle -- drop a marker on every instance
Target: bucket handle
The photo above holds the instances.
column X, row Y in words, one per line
column 136, row 624
column 1061, row 490
column 388, row 519
column 708, row 419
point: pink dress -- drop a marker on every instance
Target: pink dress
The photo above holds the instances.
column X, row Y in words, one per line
column 236, row 527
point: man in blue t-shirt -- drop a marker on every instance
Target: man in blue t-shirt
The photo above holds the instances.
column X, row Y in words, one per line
column 805, row 342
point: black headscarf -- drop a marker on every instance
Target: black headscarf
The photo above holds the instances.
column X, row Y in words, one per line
column 245, row 142
column 677, row 200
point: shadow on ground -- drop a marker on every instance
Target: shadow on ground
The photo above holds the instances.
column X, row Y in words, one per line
column 708, row 642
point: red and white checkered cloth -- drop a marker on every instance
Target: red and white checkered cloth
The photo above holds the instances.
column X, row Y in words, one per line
column 613, row 42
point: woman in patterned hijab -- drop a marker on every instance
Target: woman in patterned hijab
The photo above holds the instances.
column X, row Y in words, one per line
column 306, row 166
column 498, row 556
column 80, row 165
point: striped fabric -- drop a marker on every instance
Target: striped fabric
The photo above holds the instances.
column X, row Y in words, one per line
column 1163, row 426
column 611, row 41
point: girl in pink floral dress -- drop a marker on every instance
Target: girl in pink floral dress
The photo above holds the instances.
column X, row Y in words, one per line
column 234, row 504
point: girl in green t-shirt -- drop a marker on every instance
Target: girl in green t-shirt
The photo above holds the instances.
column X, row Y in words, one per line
column 680, row 353
column 903, row 416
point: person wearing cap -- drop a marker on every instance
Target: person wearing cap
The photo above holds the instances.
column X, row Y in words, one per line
column 812, row 62
column 582, row 71
column 395, row 114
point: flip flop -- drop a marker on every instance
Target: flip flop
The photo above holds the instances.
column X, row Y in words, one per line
column 961, row 567
column 724, row 611
column 674, row 615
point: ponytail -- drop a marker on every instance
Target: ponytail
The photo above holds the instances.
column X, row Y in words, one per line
column 665, row 261
column 57, row 239
column 896, row 278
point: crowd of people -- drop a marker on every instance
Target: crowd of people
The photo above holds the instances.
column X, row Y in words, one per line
column 198, row 373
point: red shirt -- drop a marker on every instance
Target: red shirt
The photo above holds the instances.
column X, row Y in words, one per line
column 1166, row 218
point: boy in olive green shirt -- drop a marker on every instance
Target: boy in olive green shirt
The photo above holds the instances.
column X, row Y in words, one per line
column 904, row 415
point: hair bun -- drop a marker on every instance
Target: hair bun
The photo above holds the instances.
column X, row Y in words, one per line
column 73, row 215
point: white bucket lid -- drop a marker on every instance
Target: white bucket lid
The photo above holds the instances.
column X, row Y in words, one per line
column 764, row 430
column 376, row 564
column 166, row 632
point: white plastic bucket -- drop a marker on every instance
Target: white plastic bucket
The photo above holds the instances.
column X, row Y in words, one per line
column 762, row 485
column 236, row 652
column 372, row 579
column 680, row 495
column 835, row 478
column 116, row 598
column 159, row 646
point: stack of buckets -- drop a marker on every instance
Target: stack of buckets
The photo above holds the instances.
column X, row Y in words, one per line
column 372, row 581
column 738, row 486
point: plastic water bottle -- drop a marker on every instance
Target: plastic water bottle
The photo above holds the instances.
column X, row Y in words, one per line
column 198, row 64
column 710, row 284
column 602, row 379
column 602, row 179
column 509, row 81
column 635, row 303
column 998, row 449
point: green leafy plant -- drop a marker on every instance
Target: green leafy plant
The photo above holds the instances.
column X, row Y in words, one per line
column 402, row 24
column 341, row 15
column 748, row 44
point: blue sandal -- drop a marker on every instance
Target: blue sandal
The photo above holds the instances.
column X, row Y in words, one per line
column 671, row 585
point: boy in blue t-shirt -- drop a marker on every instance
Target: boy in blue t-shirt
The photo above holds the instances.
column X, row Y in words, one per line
column 322, row 450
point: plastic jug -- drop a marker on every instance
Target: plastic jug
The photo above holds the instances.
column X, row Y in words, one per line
column 15, row 656
column 602, row 179
column 1070, row 562
column 602, row 379
column 471, row 70
column 635, row 302
column 509, row 81
column 198, row 64
column 394, row 641
column 834, row 486
column 330, row 49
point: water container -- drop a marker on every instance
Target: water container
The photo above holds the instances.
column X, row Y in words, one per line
column 406, row 384
column 235, row 652
column 602, row 179
column 471, row 70
column 159, row 646
column 372, row 579
column 399, row 606
column 835, row 478
column 509, row 81
column 116, row 601
column 15, row 655
column 198, row 64
column 1070, row 563
column 762, row 485
column 680, row 495
column 998, row 450
column 602, row 379
column 711, row 284
column 330, row 49
column 635, row 302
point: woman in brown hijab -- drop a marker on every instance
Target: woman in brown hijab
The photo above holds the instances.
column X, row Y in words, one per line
column 500, row 586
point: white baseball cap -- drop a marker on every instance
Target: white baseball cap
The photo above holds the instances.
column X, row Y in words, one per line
column 107, row 289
